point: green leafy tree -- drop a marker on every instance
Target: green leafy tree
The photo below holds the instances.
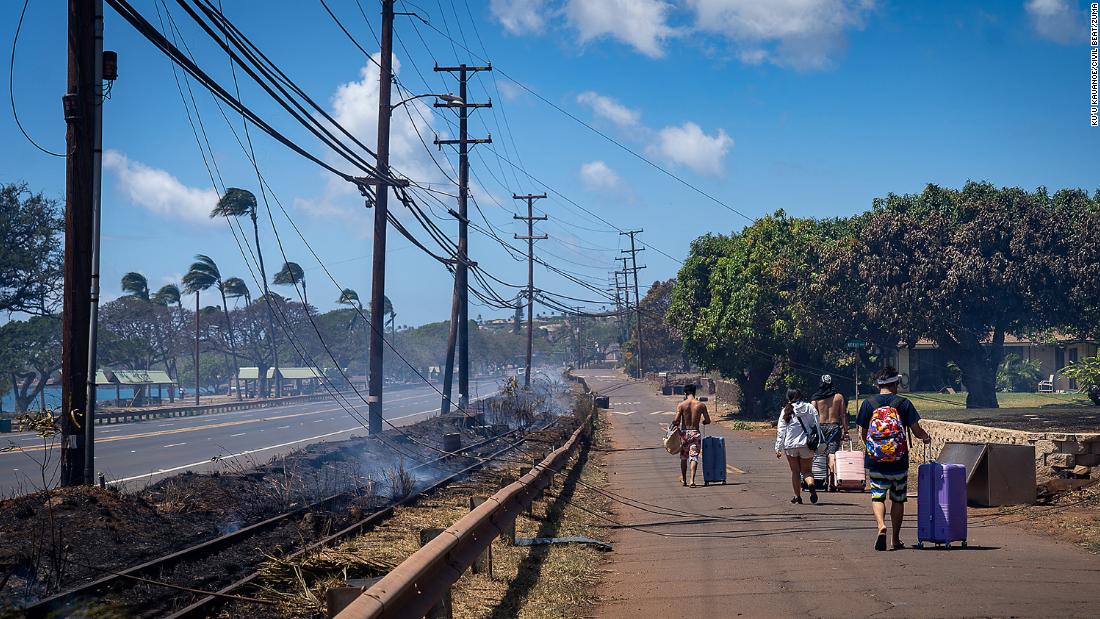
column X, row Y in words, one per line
column 964, row 268
column 30, row 352
column 743, row 306
column 30, row 264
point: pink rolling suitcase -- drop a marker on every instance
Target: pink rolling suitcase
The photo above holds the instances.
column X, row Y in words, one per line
column 849, row 470
column 941, row 504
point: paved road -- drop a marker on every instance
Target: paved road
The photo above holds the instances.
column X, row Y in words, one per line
column 746, row 551
column 134, row 454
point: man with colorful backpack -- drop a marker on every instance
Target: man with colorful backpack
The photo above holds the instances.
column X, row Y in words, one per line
column 883, row 420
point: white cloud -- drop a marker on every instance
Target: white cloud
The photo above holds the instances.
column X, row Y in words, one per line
column 355, row 107
column 508, row 90
column 520, row 16
column 610, row 109
column 158, row 191
column 803, row 34
column 642, row 24
column 686, row 144
column 598, row 176
column 1056, row 20
column 689, row 146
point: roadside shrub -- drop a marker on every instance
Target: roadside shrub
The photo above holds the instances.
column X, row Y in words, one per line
column 1015, row 374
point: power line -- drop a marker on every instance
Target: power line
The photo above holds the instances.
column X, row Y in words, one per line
column 11, row 85
column 605, row 136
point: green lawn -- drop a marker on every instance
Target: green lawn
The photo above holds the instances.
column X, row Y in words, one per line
column 931, row 401
column 1064, row 412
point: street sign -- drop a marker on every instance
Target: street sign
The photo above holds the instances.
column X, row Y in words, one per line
column 628, row 355
column 856, row 343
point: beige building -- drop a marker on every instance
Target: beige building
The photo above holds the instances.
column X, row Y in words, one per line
column 926, row 366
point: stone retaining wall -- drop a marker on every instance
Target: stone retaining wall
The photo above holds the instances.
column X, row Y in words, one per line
column 1054, row 451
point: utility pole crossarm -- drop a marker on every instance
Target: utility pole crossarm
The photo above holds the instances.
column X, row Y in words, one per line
column 461, row 142
column 462, row 67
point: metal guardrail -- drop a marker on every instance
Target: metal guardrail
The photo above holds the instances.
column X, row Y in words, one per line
column 416, row 585
column 205, row 409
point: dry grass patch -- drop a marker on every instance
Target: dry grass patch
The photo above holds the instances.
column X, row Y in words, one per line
column 536, row 582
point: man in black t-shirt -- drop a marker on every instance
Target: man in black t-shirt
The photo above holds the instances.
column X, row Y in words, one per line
column 883, row 420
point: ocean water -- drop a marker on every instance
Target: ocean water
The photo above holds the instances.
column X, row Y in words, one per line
column 53, row 396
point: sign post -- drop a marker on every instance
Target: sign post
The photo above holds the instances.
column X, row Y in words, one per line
column 857, row 345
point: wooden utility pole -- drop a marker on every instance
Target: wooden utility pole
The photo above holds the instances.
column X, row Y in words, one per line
column 633, row 251
column 619, row 307
column 461, row 321
column 81, row 105
column 197, row 382
column 381, row 213
column 531, row 218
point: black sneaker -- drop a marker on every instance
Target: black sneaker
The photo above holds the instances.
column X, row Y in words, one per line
column 813, row 495
column 797, row 500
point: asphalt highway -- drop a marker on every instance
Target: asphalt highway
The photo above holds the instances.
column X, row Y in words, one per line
column 138, row 453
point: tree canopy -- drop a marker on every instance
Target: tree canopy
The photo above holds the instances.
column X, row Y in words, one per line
column 775, row 302
column 30, row 265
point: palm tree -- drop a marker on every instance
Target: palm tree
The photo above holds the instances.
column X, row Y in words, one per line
column 237, row 203
column 167, row 295
column 351, row 298
column 235, row 288
column 292, row 275
column 203, row 275
column 135, row 285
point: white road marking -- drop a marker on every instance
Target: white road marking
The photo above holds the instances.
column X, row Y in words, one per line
column 231, row 456
column 430, row 410
column 282, row 428
column 624, row 414
column 240, row 434
column 175, row 444
column 319, row 420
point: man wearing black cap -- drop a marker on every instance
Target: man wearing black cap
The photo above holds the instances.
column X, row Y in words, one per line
column 832, row 411
column 883, row 420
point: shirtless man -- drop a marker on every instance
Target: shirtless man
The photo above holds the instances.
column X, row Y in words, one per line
column 689, row 414
column 832, row 411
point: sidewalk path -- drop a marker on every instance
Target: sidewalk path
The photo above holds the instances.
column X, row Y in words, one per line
column 750, row 553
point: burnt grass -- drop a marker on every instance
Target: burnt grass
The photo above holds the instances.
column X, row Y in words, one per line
column 59, row 539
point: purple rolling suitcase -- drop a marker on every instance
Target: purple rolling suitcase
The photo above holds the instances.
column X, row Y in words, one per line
column 941, row 504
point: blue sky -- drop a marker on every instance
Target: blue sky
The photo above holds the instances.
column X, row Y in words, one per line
column 813, row 106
